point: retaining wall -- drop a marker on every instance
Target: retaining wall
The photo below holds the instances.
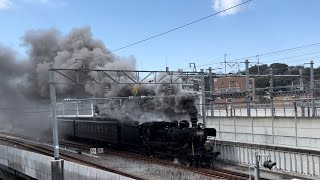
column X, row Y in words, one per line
column 285, row 131
column 39, row 166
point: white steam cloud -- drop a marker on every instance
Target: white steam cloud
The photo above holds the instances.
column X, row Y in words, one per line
column 220, row 5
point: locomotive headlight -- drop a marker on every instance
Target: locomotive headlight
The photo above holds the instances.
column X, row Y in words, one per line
column 207, row 145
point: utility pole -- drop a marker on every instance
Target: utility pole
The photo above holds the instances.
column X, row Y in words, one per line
column 312, row 89
column 211, row 91
column 271, row 101
column 57, row 163
column 247, row 88
column 203, row 97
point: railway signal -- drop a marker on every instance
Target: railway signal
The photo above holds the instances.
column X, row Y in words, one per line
column 267, row 164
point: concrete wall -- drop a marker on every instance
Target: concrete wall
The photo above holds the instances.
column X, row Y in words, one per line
column 39, row 166
column 285, row 131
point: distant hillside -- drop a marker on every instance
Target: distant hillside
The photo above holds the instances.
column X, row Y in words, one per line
column 282, row 69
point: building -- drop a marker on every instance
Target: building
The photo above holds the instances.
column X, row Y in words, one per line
column 232, row 90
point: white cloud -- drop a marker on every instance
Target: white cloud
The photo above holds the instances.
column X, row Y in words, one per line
column 220, row 5
column 5, row 4
column 9, row 4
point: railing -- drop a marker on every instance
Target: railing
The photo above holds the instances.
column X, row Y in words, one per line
column 291, row 160
column 263, row 111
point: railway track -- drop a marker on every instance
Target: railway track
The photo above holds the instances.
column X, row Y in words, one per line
column 49, row 152
column 217, row 173
column 213, row 172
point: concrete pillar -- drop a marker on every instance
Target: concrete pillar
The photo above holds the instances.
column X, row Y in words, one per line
column 57, row 169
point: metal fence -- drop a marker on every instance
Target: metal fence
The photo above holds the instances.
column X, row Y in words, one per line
column 263, row 110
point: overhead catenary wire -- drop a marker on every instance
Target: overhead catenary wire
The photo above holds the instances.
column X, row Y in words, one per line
column 171, row 30
column 270, row 53
column 279, row 51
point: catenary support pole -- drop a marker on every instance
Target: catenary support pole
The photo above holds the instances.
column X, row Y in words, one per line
column 247, row 88
column 301, row 89
column 57, row 165
column 313, row 103
column 271, row 101
column 52, row 83
column 295, row 122
column 211, row 91
column 203, row 98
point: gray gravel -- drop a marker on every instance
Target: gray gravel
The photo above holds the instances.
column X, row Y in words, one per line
column 143, row 169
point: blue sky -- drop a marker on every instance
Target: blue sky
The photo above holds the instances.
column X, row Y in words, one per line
column 258, row 27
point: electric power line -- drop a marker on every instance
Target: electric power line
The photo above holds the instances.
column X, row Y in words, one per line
column 171, row 30
column 158, row 35
column 269, row 53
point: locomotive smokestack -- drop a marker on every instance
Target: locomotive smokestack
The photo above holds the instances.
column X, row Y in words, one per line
column 194, row 121
column 188, row 104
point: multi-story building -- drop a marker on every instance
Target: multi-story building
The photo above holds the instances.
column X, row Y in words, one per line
column 232, row 90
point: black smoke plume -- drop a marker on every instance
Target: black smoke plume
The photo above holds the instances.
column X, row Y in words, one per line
column 25, row 81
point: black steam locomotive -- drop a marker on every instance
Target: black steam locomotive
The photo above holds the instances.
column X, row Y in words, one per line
column 161, row 139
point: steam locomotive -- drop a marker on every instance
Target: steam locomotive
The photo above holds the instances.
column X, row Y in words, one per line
column 161, row 139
